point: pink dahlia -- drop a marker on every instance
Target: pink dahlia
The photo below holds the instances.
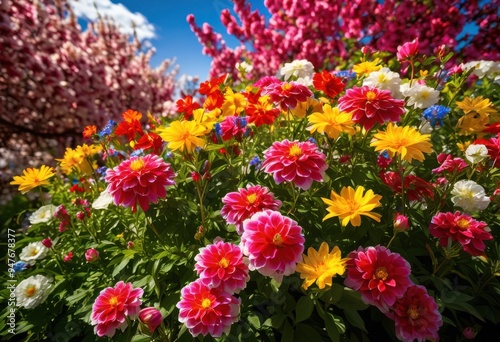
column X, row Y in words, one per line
column 140, row 180
column 112, row 307
column 207, row 310
column 287, row 94
column 232, row 127
column 240, row 205
column 273, row 244
column 416, row 316
column 369, row 105
column 407, row 51
column 296, row 162
column 221, row 265
column 380, row 275
column 449, row 164
column 470, row 233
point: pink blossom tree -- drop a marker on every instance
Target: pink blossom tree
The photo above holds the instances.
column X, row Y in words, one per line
column 326, row 32
column 55, row 79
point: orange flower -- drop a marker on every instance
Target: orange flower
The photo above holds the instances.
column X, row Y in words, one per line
column 89, row 131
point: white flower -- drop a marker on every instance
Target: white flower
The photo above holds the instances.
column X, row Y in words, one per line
column 103, row 201
column 305, row 81
column 469, row 196
column 420, row 96
column 298, row 68
column 43, row 214
column 385, row 79
column 33, row 291
column 34, row 251
column 244, row 67
column 425, row 127
column 482, row 68
column 476, row 153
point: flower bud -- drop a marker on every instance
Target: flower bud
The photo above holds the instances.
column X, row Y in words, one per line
column 151, row 317
column 469, row 333
column 408, row 50
column 91, row 255
column 68, row 257
column 47, row 242
column 401, row 222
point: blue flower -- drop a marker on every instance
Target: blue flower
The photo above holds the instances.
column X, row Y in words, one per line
column 101, row 171
column 20, row 266
column 345, row 74
column 256, row 162
column 435, row 114
column 137, row 152
column 218, row 130
column 107, row 129
column 312, row 140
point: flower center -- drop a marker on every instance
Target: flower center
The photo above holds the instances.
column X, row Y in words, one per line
column 463, row 223
column 223, row 262
column 113, row 301
column 286, row 86
column 34, row 251
column 425, row 95
column 381, row 78
column 137, row 164
column 30, row 291
column 295, row 151
column 36, row 180
column 252, row 198
column 277, row 239
column 413, row 312
column 370, row 96
column 206, row 303
column 353, row 205
column 381, row 273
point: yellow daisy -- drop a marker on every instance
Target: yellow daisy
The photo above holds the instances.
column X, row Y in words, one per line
column 77, row 160
column 351, row 204
column 364, row 68
column 405, row 141
column 234, row 103
column 182, row 135
column 33, row 178
column 332, row 122
column 472, row 123
column 321, row 266
column 311, row 105
column 477, row 104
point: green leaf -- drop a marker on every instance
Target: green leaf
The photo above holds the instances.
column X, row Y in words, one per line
column 303, row 309
column 287, row 333
column 331, row 327
column 254, row 321
column 141, row 338
column 120, row 266
column 355, row 319
column 304, row 332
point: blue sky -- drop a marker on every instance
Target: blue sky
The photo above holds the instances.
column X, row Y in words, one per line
column 166, row 21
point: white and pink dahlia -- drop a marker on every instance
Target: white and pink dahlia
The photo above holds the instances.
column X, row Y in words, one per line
column 112, row 307
column 241, row 204
column 298, row 162
column 273, row 243
column 221, row 265
column 140, row 180
column 206, row 310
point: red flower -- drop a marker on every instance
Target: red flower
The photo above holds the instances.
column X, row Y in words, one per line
column 240, row 205
column 380, row 275
column 261, row 111
column 470, row 233
column 287, row 94
column 415, row 187
column 273, row 244
column 449, row 164
column 150, row 141
column 416, row 316
column 370, row 105
column 112, row 307
column 211, row 86
column 331, row 85
column 89, row 131
column 187, row 106
column 131, row 126
column 296, row 162
column 214, row 100
column 139, row 180
column 151, row 317
column 207, row 310
column 407, row 51
column 76, row 188
column 221, row 265
column 493, row 146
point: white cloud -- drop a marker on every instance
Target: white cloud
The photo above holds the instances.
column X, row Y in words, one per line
column 120, row 14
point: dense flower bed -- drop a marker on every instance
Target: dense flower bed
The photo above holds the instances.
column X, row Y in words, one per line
column 325, row 205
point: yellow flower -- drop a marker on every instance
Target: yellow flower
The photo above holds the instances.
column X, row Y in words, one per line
column 478, row 105
column 365, row 68
column 205, row 119
column 463, row 147
column 311, row 105
column 351, row 204
column 234, row 104
column 472, row 123
column 32, row 178
column 321, row 266
column 405, row 141
column 77, row 160
column 332, row 122
column 183, row 135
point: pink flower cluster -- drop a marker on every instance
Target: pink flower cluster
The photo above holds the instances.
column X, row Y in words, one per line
column 383, row 280
column 449, row 164
column 462, row 228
